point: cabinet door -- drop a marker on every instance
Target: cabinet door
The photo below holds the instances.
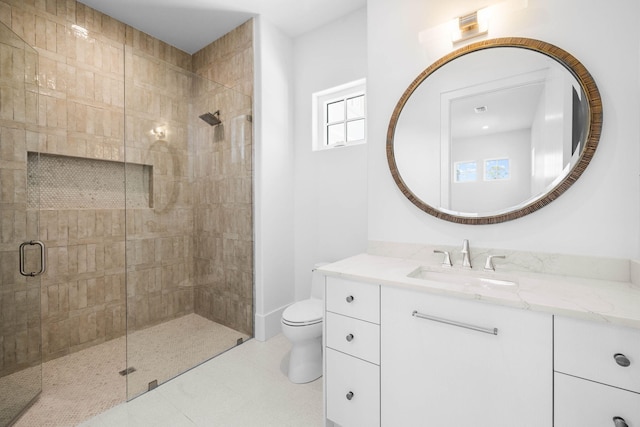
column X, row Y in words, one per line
column 354, row 337
column 353, row 391
column 582, row 403
column 353, row 299
column 589, row 349
column 437, row 374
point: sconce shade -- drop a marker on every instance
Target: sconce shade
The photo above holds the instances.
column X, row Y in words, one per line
column 469, row 26
column 468, row 22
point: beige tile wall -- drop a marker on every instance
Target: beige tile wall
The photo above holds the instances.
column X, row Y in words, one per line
column 98, row 88
column 80, row 113
column 19, row 296
column 229, row 60
column 223, row 185
column 159, row 240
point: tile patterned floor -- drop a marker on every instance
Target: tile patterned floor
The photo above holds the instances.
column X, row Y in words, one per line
column 78, row 386
column 17, row 390
column 244, row 387
column 166, row 350
column 81, row 385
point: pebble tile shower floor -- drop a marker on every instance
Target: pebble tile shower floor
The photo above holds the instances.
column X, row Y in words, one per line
column 83, row 384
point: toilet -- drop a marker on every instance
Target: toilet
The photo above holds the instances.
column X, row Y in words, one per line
column 302, row 325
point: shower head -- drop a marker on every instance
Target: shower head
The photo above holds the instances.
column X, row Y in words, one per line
column 212, row 119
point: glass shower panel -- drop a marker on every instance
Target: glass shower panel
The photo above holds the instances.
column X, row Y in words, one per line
column 189, row 220
column 20, row 334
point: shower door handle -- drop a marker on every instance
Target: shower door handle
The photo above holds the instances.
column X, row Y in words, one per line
column 42, row 258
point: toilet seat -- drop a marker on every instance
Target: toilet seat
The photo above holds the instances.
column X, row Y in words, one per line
column 303, row 313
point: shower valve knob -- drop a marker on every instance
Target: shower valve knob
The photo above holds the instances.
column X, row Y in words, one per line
column 349, row 298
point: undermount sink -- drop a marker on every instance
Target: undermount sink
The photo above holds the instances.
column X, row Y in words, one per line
column 463, row 277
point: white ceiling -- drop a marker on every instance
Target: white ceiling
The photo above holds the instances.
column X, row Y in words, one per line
column 508, row 109
column 192, row 24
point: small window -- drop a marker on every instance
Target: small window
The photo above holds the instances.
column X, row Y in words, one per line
column 339, row 116
column 465, row 171
column 497, row 169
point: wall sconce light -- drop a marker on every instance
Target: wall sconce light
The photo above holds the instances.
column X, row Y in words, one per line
column 159, row 132
column 474, row 24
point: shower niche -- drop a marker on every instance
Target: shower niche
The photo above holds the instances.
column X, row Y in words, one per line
column 65, row 182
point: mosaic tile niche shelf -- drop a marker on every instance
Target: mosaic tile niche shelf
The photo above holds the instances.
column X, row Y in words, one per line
column 62, row 182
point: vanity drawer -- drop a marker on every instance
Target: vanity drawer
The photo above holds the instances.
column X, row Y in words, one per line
column 353, row 390
column 583, row 403
column 352, row 336
column 587, row 349
column 354, row 299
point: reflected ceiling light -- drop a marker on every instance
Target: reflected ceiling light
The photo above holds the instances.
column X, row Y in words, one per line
column 159, row 132
column 474, row 24
column 485, row 127
column 80, row 31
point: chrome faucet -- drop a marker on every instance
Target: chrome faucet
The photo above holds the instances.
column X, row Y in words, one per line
column 446, row 261
column 466, row 260
column 488, row 265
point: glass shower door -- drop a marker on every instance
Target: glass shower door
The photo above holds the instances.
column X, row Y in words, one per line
column 188, row 214
column 21, row 254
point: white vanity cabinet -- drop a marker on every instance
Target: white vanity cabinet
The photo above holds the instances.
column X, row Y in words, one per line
column 441, row 363
column 597, row 374
column 352, row 353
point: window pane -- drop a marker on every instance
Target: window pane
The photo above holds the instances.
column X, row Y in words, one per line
column 355, row 130
column 355, row 107
column 466, row 172
column 496, row 169
column 335, row 134
column 335, row 112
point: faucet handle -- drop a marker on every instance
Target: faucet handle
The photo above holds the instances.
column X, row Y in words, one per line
column 489, row 264
column 446, row 262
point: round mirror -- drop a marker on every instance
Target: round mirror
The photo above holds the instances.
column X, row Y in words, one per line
column 494, row 131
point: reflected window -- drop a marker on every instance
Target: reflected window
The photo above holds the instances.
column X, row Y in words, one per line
column 497, row 169
column 465, row 171
column 339, row 116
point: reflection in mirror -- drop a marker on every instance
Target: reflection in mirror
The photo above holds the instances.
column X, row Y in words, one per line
column 497, row 130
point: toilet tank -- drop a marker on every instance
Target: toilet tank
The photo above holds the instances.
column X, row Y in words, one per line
column 317, row 281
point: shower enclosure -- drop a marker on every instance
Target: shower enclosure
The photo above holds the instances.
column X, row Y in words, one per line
column 144, row 211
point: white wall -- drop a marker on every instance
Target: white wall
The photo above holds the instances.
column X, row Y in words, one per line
column 551, row 132
column 330, row 186
column 600, row 214
column 309, row 206
column 490, row 196
column 273, row 185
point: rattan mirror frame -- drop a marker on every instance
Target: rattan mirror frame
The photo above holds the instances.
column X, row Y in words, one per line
column 591, row 143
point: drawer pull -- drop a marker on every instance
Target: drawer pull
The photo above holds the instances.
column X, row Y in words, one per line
column 349, row 298
column 350, row 337
column 492, row 331
column 619, row 422
column 622, row 360
column 350, row 396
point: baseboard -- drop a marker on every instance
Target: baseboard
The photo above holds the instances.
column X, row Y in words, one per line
column 268, row 325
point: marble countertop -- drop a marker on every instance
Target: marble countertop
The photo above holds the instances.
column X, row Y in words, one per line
column 614, row 302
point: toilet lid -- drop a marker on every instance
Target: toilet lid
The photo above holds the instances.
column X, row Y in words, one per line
column 307, row 311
